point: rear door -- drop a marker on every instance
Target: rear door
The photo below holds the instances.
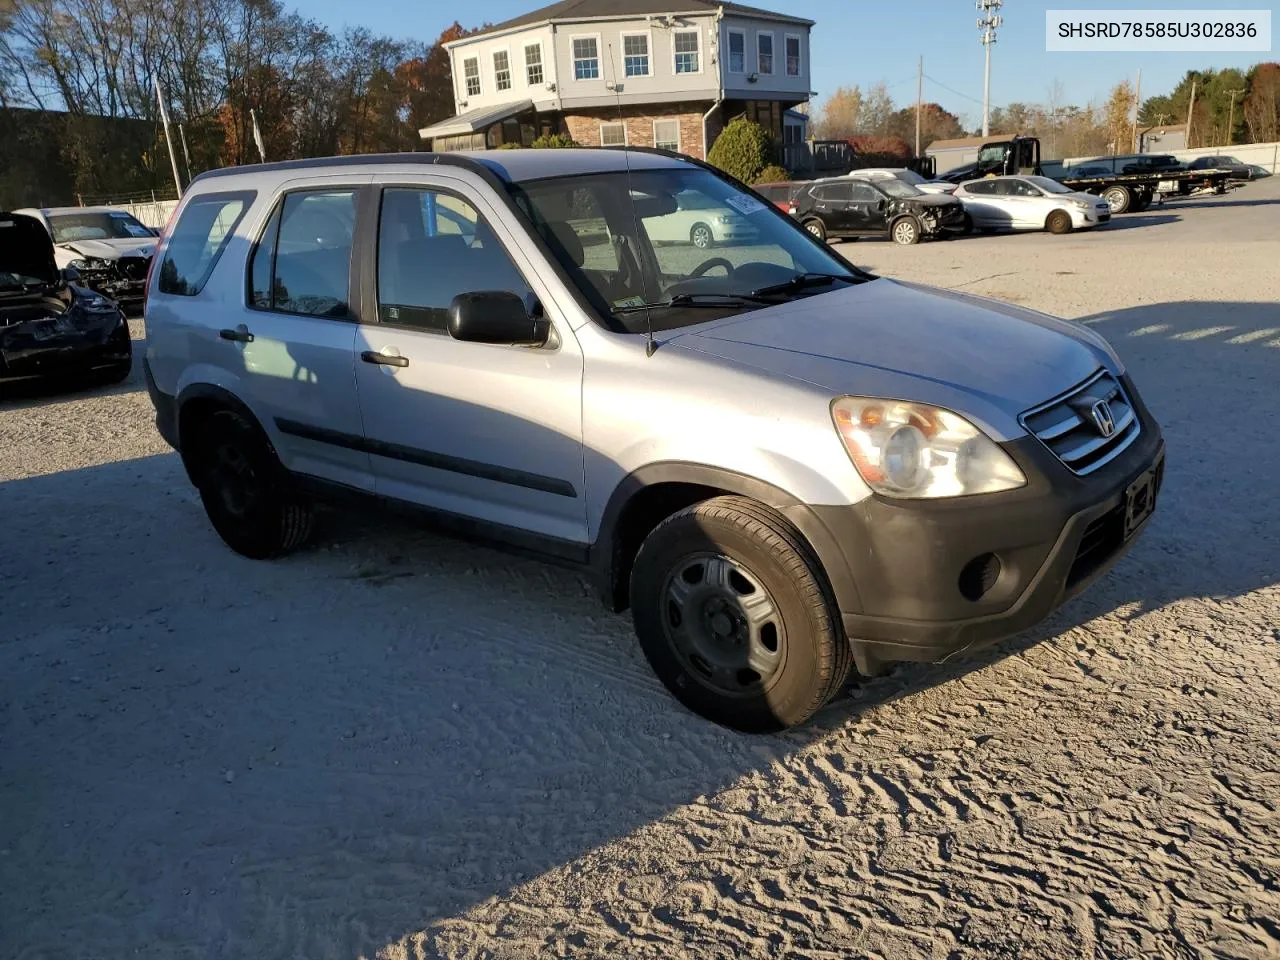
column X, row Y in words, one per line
column 979, row 203
column 485, row 431
column 866, row 209
column 832, row 205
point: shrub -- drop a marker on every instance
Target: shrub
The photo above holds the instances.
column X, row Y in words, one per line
column 511, row 146
column 772, row 174
column 555, row 140
column 742, row 150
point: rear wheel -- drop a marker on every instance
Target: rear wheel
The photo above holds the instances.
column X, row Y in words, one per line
column 1059, row 221
column 701, row 236
column 905, row 231
column 1118, row 199
column 731, row 610
column 817, row 228
column 1141, row 202
column 245, row 490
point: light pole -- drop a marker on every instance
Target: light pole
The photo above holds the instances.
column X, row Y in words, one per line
column 988, row 23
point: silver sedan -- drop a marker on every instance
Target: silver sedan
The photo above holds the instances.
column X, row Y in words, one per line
column 1030, row 203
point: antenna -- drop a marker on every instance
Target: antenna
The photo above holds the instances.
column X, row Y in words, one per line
column 649, row 346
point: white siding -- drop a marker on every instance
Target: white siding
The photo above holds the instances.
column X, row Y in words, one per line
column 777, row 85
column 514, row 43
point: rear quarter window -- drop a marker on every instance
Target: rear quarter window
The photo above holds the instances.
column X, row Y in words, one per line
column 198, row 239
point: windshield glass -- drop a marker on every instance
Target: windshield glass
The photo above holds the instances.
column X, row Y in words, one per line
column 113, row 225
column 910, row 176
column 1047, row 185
column 896, row 188
column 646, row 238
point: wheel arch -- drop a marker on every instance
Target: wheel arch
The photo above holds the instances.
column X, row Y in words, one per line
column 650, row 494
column 196, row 403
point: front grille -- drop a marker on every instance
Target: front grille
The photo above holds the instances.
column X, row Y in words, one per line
column 133, row 268
column 1068, row 426
column 1101, row 539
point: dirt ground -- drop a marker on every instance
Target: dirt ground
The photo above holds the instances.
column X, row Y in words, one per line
column 398, row 745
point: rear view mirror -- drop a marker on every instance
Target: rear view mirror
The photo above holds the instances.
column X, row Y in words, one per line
column 654, row 205
column 495, row 316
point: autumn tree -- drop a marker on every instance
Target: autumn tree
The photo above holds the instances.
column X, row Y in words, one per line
column 1262, row 104
column 839, row 115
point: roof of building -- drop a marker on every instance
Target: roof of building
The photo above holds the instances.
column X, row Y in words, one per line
column 960, row 142
column 512, row 165
column 600, row 9
column 1165, row 127
column 477, row 119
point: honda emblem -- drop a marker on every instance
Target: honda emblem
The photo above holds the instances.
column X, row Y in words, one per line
column 1102, row 419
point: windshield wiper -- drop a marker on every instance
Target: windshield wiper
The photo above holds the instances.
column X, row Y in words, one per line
column 696, row 300
column 802, row 280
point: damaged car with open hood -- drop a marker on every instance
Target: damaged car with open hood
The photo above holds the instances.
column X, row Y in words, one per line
column 110, row 249
column 50, row 326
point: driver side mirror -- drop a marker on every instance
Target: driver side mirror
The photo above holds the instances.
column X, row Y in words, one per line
column 496, row 316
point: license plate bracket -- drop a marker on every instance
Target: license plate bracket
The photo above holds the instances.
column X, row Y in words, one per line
column 1140, row 502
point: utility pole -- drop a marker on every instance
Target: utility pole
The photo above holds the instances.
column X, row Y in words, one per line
column 1191, row 109
column 1231, row 115
column 919, row 97
column 988, row 23
column 168, row 138
column 1137, row 105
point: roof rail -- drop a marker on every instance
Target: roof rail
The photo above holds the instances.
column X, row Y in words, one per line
column 449, row 159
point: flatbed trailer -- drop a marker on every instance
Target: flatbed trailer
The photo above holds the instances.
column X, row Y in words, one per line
column 1122, row 191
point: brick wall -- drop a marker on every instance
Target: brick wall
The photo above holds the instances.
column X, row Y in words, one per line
column 584, row 125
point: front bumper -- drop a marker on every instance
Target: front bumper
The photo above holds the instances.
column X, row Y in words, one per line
column 82, row 352
column 901, row 569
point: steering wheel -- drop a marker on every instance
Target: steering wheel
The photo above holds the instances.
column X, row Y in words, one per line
column 701, row 269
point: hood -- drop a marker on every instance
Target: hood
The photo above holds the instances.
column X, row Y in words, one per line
column 982, row 358
column 25, row 248
column 930, row 199
column 111, row 249
column 936, row 187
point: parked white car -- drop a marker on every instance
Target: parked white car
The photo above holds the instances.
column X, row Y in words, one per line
column 110, row 249
column 698, row 221
column 906, row 176
column 1030, row 203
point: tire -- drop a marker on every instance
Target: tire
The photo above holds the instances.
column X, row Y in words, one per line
column 905, row 231
column 245, row 490
column 817, row 228
column 701, row 236
column 1142, row 202
column 687, row 588
column 1059, row 222
column 1118, row 199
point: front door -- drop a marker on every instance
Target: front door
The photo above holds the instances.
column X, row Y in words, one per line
column 485, row 431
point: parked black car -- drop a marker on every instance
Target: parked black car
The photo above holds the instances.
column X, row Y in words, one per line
column 849, row 207
column 1238, row 170
column 1150, row 163
column 49, row 325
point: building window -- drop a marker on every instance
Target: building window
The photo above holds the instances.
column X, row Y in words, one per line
column 666, row 135
column 764, row 52
column 533, row 63
column 502, row 70
column 586, row 58
column 737, row 51
column 613, row 134
column 685, row 43
column 471, row 74
column 635, row 54
column 793, row 56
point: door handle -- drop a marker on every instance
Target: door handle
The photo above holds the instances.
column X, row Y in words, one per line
column 240, row 334
column 372, row 356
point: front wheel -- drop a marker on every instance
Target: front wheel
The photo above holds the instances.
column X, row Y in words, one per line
column 731, row 610
column 1058, row 222
column 817, row 228
column 701, row 236
column 245, row 490
column 905, row 231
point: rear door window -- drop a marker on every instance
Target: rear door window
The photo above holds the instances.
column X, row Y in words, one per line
column 198, row 239
column 302, row 264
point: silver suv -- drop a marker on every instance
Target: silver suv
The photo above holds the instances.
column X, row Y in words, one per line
column 785, row 466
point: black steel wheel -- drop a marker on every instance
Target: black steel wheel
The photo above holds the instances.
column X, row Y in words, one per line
column 245, row 491
column 733, row 612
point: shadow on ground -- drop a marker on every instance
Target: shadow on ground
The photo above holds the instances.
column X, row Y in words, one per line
column 206, row 756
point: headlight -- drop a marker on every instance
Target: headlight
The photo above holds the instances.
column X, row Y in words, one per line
column 78, row 264
column 1083, row 204
column 912, row 451
column 94, row 303
column 725, row 218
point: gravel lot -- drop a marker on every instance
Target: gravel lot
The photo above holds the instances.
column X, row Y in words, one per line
column 395, row 744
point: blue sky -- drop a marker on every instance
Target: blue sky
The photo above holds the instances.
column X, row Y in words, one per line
column 860, row 42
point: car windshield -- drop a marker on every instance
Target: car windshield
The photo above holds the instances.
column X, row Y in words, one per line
column 1047, row 185
column 896, row 188
column 641, row 242
column 1238, row 163
column 910, row 176
column 110, row 225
